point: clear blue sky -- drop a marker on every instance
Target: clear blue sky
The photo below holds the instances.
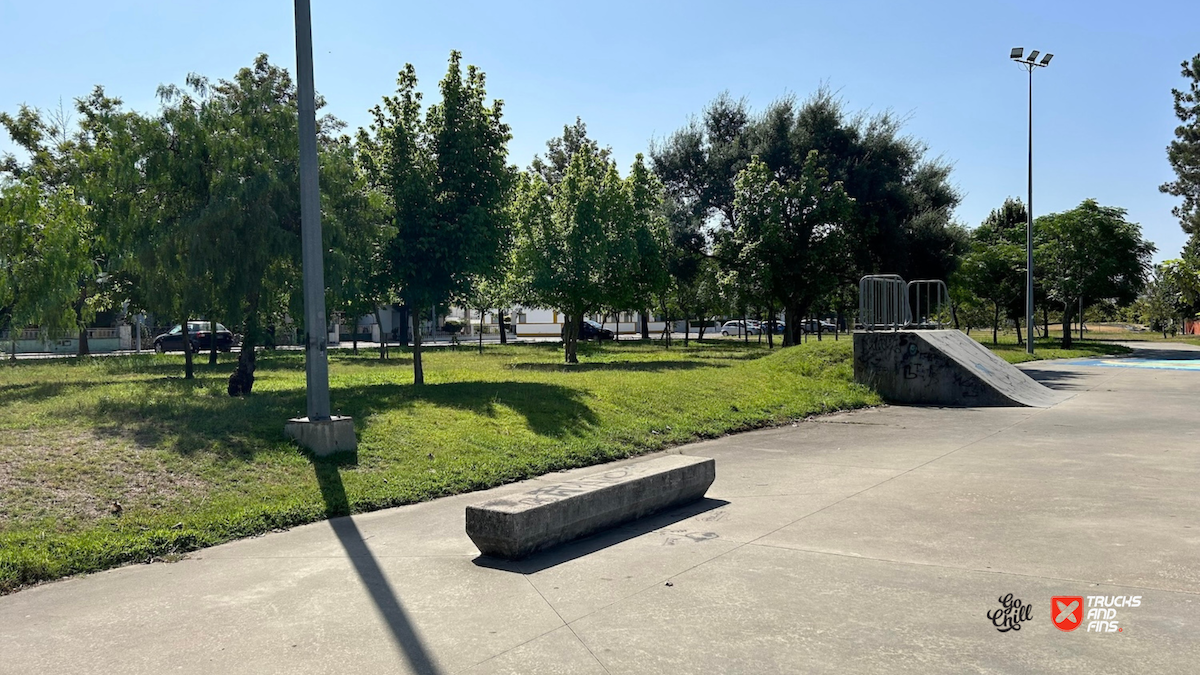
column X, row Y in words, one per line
column 635, row 71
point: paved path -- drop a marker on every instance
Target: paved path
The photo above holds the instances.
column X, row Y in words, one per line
column 869, row 542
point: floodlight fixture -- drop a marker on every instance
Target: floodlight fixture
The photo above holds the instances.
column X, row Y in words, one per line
column 1032, row 56
column 1016, row 52
column 1046, row 60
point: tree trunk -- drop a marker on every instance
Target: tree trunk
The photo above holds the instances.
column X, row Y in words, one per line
column 1020, row 338
column 770, row 327
column 703, row 325
column 212, row 341
column 1045, row 321
column 241, row 381
column 481, row 313
column 84, row 349
column 687, row 327
column 646, row 324
column 789, row 326
column 745, row 329
column 382, row 335
column 996, row 323
column 189, row 367
column 503, row 328
column 571, row 338
column 418, row 370
column 1066, row 323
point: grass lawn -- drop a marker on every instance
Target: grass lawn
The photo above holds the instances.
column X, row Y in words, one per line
column 191, row 467
column 1047, row 348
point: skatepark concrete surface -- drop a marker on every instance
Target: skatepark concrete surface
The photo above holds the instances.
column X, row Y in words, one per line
column 874, row 541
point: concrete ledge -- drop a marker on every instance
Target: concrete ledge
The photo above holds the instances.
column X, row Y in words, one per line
column 513, row 527
column 323, row 437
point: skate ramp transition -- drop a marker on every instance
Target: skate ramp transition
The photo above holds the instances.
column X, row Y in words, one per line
column 943, row 367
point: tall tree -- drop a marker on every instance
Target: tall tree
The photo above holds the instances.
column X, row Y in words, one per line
column 56, row 157
column 42, row 250
column 1184, row 153
column 994, row 270
column 573, row 234
column 447, row 187
column 1091, row 252
column 900, row 220
column 788, row 239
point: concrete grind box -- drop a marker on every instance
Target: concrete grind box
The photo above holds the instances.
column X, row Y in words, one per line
column 943, row 367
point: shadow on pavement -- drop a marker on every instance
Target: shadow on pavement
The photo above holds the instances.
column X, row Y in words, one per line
column 1057, row 379
column 367, row 568
column 558, row 555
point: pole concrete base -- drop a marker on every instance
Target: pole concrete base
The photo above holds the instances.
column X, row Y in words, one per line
column 323, row 437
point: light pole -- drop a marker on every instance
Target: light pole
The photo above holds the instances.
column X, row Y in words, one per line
column 318, row 432
column 1029, row 63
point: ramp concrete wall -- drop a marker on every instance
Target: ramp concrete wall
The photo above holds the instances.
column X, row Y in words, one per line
column 943, row 367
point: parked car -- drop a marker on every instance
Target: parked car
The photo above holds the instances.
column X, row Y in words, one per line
column 590, row 330
column 198, row 338
column 740, row 328
column 815, row 325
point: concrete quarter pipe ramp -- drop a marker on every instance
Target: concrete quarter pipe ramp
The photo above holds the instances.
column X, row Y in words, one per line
column 943, row 367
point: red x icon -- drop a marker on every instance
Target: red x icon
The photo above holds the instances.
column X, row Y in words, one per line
column 1066, row 611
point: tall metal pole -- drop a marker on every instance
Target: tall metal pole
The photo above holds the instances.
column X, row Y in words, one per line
column 316, row 365
column 1029, row 232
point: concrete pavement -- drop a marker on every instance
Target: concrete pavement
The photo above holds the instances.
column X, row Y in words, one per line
column 875, row 541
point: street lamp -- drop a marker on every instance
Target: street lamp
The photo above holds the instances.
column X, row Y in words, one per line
column 1029, row 63
column 319, row 432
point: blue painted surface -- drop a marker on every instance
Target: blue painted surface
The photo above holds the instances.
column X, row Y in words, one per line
column 1159, row 364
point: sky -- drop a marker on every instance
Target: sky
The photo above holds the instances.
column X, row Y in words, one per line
column 636, row 71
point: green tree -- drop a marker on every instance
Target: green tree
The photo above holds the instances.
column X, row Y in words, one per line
column 1091, row 252
column 900, row 221
column 1162, row 305
column 446, row 184
column 57, row 155
column 994, row 271
column 356, row 272
column 571, row 237
column 42, row 250
column 788, row 237
column 1184, row 153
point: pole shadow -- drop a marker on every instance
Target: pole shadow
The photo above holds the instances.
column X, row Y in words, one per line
column 337, row 507
column 557, row 555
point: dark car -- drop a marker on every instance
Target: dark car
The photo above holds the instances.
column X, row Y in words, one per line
column 814, row 326
column 199, row 337
column 590, row 330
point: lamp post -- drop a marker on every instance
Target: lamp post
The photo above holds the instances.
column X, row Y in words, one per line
column 319, row 432
column 1029, row 63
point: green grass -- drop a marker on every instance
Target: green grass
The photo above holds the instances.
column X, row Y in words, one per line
column 192, row 467
column 1047, row 348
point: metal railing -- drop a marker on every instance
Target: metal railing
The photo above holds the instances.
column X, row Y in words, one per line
column 887, row 302
column 929, row 303
column 882, row 302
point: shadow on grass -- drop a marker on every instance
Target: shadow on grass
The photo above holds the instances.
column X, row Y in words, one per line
column 577, row 549
column 16, row 393
column 628, row 366
column 370, row 574
column 238, row 428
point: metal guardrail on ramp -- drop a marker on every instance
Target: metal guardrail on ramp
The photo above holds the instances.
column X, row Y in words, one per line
column 887, row 302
